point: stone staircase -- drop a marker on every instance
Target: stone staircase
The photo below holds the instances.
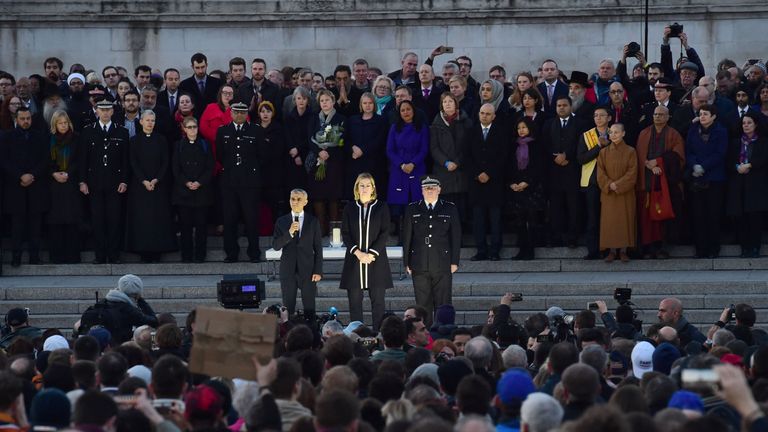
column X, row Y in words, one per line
column 58, row 294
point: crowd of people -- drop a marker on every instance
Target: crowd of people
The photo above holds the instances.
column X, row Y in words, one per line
column 621, row 161
column 592, row 371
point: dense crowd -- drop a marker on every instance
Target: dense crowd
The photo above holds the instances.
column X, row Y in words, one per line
column 624, row 160
column 596, row 370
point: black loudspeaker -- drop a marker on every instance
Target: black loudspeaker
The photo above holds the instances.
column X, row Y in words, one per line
column 241, row 292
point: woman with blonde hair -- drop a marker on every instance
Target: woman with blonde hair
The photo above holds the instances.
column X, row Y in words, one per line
column 65, row 214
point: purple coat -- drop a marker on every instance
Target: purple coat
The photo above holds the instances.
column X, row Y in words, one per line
column 406, row 146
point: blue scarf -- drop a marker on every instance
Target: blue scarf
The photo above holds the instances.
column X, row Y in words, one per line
column 381, row 103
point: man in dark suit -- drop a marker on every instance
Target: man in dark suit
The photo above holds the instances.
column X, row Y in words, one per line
column 301, row 264
column 485, row 163
column 239, row 152
column 552, row 88
column 259, row 89
column 426, row 93
column 561, row 135
column 104, row 177
column 431, row 246
column 25, row 163
column 203, row 87
column 169, row 98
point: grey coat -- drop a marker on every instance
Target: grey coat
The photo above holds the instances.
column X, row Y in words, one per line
column 447, row 144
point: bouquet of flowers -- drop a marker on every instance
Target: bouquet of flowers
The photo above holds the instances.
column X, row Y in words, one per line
column 328, row 137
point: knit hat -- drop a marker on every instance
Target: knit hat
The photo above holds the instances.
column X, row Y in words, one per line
column 514, row 386
column 16, row 317
column 686, row 400
column 50, row 407
column 642, row 358
column 428, row 370
column 102, row 335
column 663, row 357
column 445, row 315
column 130, row 285
column 55, row 342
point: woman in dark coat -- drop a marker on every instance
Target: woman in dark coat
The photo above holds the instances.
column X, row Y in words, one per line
column 66, row 200
column 365, row 229
column 326, row 165
column 525, row 180
column 531, row 108
column 272, row 171
column 149, row 229
column 446, row 145
column 705, row 150
column 192, row 168
column 296, row 143
column 365, row 144
column 747, row 161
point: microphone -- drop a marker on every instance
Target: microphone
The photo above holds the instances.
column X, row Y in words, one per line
column 295, row 218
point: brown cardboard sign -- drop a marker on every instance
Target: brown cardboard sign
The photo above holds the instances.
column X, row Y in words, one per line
column 226, row 341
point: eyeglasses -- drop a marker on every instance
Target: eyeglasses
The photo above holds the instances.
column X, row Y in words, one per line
column 227, row 93
column 616, row 91
column 383, row 87
column 190, row 127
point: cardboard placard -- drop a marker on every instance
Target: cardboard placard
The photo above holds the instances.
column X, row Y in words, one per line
column 226, row 341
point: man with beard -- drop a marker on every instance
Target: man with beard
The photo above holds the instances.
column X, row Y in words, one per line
column 606, row 75
column 52, row 102
column 577, row 87
column 755, row 75
column 111, row 78
column 24, row 92
column 202, row 87
column 623, row 112
column 725, row 85
column 25, row 162
column 104, row 178
column 656, row 146
column 130, row 120
column 237, row 75
column 742, row 102
column 162, row 115
column 259, row 89
column 53, row 67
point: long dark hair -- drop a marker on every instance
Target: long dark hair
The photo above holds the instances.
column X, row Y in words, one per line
column 399, row 123
column 531, row 127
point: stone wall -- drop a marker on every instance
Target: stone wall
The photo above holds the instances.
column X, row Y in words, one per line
column 517, row 34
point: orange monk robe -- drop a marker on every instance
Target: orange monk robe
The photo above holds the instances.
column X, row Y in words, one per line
column 618, row 225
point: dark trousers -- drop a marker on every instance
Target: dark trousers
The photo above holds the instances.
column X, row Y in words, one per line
column 751, row 231
column 237, row 201
column 192, row 226
column 528, row 231
column 290, row 284
column 479, row 214
column 64, row 243
column 432, row 289
column 355, row 297
column 707, row 206
column 592, row 235
column 107, row 220
column 26, row 226
column 565, row 215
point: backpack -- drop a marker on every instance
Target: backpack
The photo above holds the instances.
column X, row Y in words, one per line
column 101, row 314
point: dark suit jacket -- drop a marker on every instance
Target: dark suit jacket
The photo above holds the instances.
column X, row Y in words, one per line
column 269, row 92
column 201, row 101
column 162, row 100
column 487, row 156
column 560, row 89
column 301, row 254
column 431, row 104
column 559, row 140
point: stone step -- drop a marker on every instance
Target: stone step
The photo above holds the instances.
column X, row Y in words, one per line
column 333, row 268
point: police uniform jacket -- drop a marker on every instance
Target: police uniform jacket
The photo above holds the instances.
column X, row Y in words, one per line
column 26, row 152
column 240, row 155
column 104, row 157
column 431, row 239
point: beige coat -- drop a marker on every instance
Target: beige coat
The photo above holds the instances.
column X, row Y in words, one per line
column 618, row 225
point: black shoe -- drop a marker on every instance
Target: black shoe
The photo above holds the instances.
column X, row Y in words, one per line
column 495, row 257
column 479, row 257
column 255, row 260
column 230, row 259
column 592, row 256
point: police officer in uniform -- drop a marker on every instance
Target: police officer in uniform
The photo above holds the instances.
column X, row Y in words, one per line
column 104, row 178
column 238, row 151
column 431, row 246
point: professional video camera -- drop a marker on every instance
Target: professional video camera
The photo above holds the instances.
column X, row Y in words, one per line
column 623, row 296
